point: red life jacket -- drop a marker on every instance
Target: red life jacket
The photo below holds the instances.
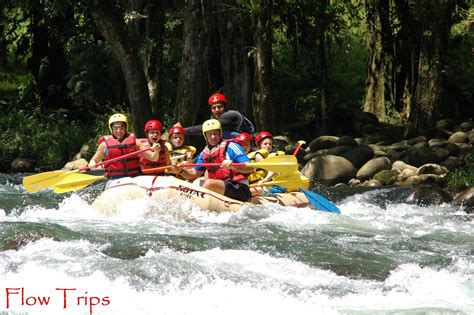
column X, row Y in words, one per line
column 146, row 163
column 217, row 155
column 115, row 148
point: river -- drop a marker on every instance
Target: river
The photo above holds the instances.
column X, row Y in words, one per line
column 58, row 255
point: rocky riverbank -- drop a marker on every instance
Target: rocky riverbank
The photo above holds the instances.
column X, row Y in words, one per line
column 372, row 160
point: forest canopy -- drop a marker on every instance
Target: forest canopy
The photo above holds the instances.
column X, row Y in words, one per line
column 294, row 67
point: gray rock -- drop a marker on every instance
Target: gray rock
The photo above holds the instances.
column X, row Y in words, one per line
column 438, row 143
column 386, row 177
column 440, row 133
column 359, row 156
column 75, row 165
column 346, row 141
column 22, row 165
column 471, row 137
column 450, row 163
column 372, row 167
column 467, row 126
column 323, row 142
column 453, row 148
column 371, row 183
column 329, row 169
column 338, row 150
column 432, row 169
column 416, row 140
column 441, row 153
column 400, row 166
column 427, row 196
column 395, row 155
column 420, row 145
column 421, row 156
column 447, row 124
column 459, row 137
column 465, row 199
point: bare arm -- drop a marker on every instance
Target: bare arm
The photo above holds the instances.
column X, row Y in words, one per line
column 152, row 155
column 99, row 155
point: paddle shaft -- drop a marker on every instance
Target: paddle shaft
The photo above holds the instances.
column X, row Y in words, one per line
column 118, row 158
column 298, row 148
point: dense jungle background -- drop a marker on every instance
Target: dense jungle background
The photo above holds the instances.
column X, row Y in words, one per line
column 300, row 68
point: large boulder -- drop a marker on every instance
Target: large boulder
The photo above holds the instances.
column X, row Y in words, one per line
column 466, row 200
column 427, row 196
column 459, row 137
column 75, row 165
column 359, row 155
column 329, row 169
column 386, row 177
column 22, row 165
column 323, row 142
column 421, row 156
column 372, row 167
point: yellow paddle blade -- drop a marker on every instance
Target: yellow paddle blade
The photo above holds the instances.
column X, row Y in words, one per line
column 44, row 180
column 277, row 164
column 73, row 182
column 291, row 181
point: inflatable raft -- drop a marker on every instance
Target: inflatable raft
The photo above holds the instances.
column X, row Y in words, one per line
column 169, row 188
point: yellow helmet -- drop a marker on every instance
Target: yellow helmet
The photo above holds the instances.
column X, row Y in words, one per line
column 211, row 124
column 118, row 118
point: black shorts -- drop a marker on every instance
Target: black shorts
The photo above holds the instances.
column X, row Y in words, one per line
column 237, row 191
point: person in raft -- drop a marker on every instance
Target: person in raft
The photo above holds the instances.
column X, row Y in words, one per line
column 118, row 143
column 178, row 151
column 227, row 180
column 245, row 140
column 232, row 121
column 264, row 142
column 153, row 132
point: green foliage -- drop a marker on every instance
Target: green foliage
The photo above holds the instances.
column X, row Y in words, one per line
column 10, row 82
column 50, row 139
column 462, row 177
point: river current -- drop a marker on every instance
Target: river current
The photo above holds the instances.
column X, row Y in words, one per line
column 58, row 255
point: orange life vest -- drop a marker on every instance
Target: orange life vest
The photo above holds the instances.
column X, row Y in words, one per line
column 124, row 167
column 217, row 155
column 147, row 164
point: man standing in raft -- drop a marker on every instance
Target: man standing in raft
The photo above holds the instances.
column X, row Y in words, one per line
column 232, row 121
column 119, row 143
column 227, row 180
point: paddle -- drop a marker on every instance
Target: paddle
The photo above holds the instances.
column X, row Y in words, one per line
column 277, row 164
column 298, row 148
column 291, row 181
column 75, row 181
column 44, row 180
column 319, row 202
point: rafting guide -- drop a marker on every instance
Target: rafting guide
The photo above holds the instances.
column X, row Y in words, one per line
column 65, row 298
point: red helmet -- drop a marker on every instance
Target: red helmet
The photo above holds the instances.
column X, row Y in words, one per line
column 153, row 125
column 217, row 97
column 262, row 135
column 177, row 129
column 244, row 137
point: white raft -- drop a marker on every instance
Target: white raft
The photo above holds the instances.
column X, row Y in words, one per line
column 168, row 188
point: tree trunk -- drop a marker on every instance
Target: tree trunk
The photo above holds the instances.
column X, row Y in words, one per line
column 3, row 42
column 380, row 79
column 321, row 42
column 39, row 43
column 437, row 19
column 407, row 51
column 192, row 97
column 111, row 25
column 233, row 44
column 262, row 106
column 153, row 59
